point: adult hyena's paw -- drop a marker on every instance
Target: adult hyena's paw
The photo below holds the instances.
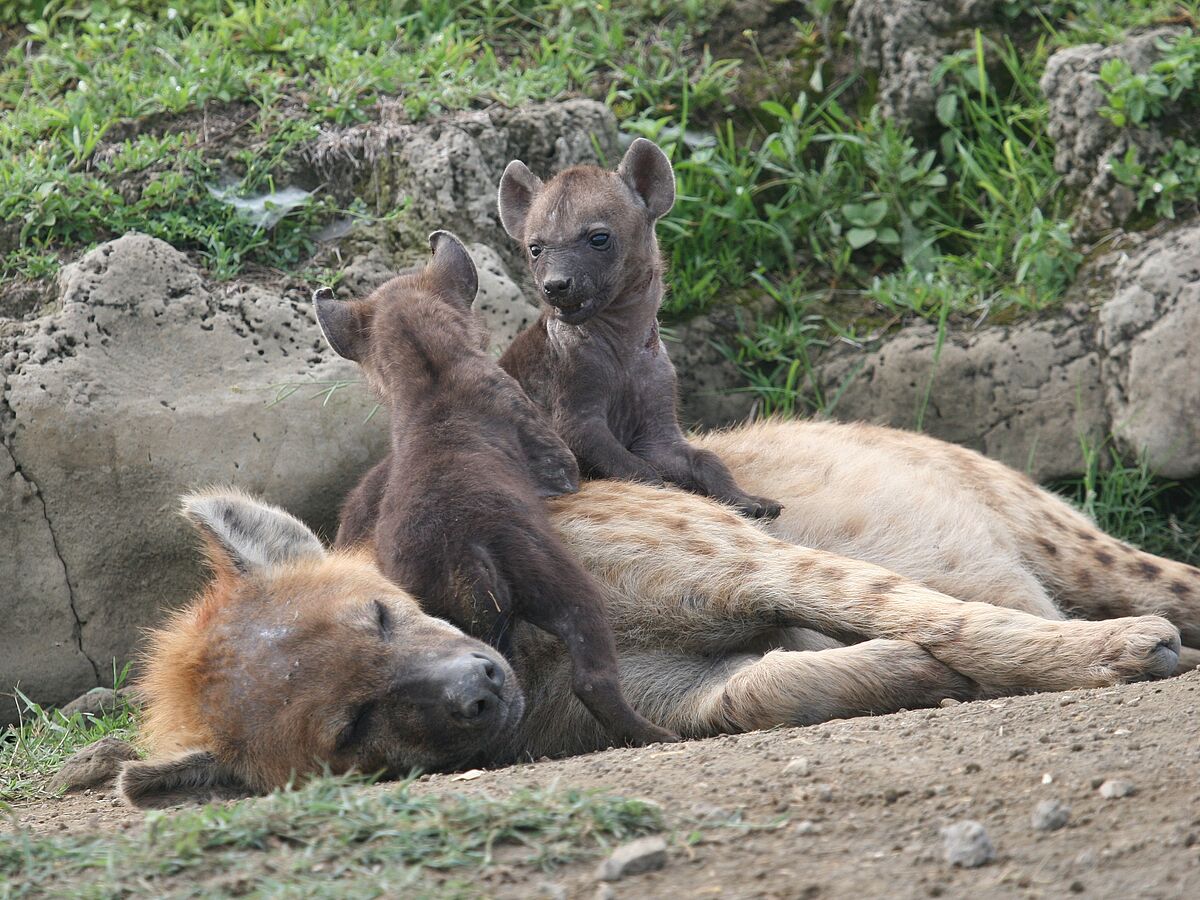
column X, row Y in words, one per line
column 1141, row 648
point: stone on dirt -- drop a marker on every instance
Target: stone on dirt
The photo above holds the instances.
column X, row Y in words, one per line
column 1116, row 788
column 646, row 854
column 1050, row 815
column 93, row 766
column 798, row 765
column 95, row 702
column 967, row 844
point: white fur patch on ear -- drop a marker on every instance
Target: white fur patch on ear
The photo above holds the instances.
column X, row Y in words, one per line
column 250, row 534
column 192, row 777
column 646, row 169
column 518, row 188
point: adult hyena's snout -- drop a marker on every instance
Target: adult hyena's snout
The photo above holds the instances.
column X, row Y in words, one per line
column 472, row 687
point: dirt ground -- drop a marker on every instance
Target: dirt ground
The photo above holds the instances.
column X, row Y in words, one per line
column 865, row 820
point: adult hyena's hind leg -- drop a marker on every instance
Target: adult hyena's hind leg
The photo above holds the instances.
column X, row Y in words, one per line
column 1091, row 573
column 684, row 572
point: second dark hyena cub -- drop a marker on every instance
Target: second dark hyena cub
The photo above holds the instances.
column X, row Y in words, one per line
column 594, row 360
column 455, row 510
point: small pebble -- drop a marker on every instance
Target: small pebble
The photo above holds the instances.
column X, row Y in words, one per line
column 797, row 766
column 1115, row 788
column 643, row 855
column 1050, row 815
column 967, row 844
column 949, row 701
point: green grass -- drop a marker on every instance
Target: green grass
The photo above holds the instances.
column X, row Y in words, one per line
column 33, row 750
column 804, row 192
column 285, row 69
column 1130, row 502
column 330, row 837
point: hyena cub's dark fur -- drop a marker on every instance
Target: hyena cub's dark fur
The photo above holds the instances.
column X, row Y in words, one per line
column 455, row 510
column 594, row 360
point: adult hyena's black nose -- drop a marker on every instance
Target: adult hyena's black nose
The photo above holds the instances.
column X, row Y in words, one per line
column 472, row 684
column 557, row 288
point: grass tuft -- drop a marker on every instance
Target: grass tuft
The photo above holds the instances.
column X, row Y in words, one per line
column 331, row 836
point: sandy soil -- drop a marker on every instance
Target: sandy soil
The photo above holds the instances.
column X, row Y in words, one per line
column 865, row 820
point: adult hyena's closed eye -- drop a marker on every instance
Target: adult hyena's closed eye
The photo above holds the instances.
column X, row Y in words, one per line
column 594, row 360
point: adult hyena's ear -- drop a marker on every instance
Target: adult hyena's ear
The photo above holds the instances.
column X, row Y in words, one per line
column 244, row 535
column 194, row 777
column 646, row 169
column 518, row 189
column 452, row 270
column 346, row 324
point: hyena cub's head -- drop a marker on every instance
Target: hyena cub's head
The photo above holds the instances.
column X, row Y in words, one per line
column 296, row 659
column 412, row 327
column 588, row 233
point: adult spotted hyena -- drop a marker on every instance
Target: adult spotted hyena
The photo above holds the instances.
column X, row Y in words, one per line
column 946, row 575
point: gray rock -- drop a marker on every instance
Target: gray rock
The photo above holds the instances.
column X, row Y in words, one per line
column 967, row 844
column 96, row 702
column 1116, row 788
column 798, row 766
column 1050, row 815
column 1025, row 394
column 444, row 174
column 904, row 40
column 712, row 392
column 1149, row 332
column 1022, row 394
column 143, row 383
column 1085, row 141
column 500, row 303
column 93, row 766
column 646, row 854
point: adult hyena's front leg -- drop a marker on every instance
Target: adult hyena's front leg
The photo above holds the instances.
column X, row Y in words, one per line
column 699, row 695
column 684, row 572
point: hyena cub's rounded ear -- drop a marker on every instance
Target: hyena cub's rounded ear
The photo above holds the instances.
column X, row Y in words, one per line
column 452, row 269
column 344, row 323
column 646, row 169
column 518, row 189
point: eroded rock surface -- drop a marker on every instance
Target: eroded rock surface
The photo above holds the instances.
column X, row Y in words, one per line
column 142, row 384
column 905, row 40
column 1085, row 142
column 1121, row 361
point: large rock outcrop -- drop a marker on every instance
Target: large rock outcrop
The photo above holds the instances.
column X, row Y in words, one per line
column 142, row 384
column 1120, row 361
column 1085, row 142
column 905, row 40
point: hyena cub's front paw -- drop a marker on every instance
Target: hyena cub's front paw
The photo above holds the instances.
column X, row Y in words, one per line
column 758, row 507
column 1142, row 648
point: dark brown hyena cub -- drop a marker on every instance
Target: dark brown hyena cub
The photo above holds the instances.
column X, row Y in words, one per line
column 594, row 360
column 455, row 510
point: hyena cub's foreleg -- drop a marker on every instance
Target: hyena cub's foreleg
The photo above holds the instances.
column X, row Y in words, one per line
column 685, row 572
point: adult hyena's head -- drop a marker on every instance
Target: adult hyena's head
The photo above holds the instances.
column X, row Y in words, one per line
column 295, row 659
column 589, row 234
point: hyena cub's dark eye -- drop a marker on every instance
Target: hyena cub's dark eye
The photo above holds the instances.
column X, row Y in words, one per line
column 535, row 250
column 599, row 240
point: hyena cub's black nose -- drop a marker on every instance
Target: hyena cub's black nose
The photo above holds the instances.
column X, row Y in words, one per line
column 473, row 683
column 557, row 288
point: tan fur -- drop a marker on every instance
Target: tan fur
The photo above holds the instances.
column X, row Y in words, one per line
column 933, row 556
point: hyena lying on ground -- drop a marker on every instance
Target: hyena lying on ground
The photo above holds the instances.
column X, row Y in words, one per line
column 454, row 510
column 265, row 672
column 594, row 360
